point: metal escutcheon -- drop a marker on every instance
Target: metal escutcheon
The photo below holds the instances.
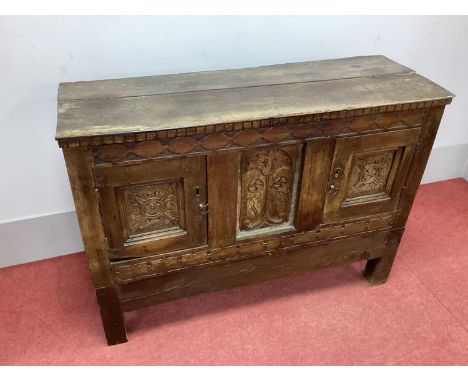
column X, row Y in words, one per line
column 196, row 191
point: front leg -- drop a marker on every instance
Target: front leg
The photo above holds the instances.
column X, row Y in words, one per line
column 112, row 315
column 377, row 270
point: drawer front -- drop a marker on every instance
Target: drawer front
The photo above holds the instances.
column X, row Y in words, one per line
column 367, row 173
column 134, row 269
column 135, row 282
column 153, row 206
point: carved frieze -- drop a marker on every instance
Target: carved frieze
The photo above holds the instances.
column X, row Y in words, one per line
column 246, row 134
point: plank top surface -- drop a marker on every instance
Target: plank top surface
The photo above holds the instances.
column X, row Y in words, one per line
column 144, row 104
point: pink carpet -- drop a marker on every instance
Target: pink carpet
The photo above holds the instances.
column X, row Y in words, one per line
column 49, row 316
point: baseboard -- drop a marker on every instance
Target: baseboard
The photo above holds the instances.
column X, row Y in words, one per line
column 447, row 162
column 465, row 172
column 38, row 238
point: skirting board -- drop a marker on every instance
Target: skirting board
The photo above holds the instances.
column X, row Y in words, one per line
column 26, row 240
column 38, row 238
column 447, row 162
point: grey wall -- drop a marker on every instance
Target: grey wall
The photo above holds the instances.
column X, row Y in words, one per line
column 39, row 52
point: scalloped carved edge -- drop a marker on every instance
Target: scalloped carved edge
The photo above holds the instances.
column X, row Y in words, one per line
column 131, row 270
column 268, row 122
column 240, row 138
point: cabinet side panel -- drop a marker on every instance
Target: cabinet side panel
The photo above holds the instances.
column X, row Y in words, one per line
column 418, row 165
column 223, row 174
column 317, row 161
column 87, row 208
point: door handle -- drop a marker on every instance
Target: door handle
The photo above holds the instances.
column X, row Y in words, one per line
column 203, row 208
column 333, row 189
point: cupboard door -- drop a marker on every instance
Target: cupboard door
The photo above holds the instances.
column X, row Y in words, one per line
column 153, row 207
column 367, row 173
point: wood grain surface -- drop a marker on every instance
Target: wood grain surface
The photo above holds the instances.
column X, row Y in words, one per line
column 282, row 97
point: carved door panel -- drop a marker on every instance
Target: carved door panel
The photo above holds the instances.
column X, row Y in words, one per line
column 153, row 207
column 267, row 190
column 367, row 173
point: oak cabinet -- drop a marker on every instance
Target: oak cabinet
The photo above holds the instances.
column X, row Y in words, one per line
column 195, row 182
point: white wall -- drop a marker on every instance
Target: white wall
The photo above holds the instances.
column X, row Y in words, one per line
column 39, row 52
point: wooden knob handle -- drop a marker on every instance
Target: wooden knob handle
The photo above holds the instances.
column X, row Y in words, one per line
column 333, row 189
column 203, row 208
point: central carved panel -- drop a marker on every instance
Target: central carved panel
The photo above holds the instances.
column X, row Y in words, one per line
column 370, row 173
column 150, row 208
column 267, row 187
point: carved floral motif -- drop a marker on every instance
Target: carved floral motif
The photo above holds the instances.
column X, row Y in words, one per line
column 151, row 208
column 267, row 184
column 370, row 173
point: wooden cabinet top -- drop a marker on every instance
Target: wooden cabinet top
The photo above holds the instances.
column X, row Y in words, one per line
column 329, row 88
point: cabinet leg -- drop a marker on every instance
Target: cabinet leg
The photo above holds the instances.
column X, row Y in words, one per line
column 377, row 270
column 112, row 315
